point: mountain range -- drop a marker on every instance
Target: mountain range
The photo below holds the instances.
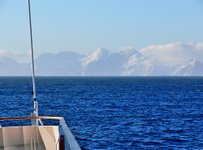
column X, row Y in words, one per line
column 173, row 59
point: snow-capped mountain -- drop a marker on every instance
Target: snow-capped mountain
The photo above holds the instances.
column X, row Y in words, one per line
column 192, row 68
column 60, row 64
column 102, row 62
column 10, row 67
column 138, row 65
column 128, row 51
column 159, row 60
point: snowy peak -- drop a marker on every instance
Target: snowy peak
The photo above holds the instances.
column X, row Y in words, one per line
column 128, row 51
column 158, row 60
column 192, row 68
column 94, row 56
column 134, row 59
column 192, row 62
column 138, row 65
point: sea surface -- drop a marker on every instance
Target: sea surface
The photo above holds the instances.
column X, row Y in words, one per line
column 114, row 112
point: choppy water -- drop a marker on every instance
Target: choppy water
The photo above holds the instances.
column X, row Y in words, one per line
column 115, row 112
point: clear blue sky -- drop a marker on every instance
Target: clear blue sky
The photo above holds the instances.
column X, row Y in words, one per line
column 84, row 25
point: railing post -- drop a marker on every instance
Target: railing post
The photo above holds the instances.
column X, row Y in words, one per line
column 73, row 144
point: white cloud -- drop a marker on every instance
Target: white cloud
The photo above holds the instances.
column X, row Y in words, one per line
column 18, row 56
column 174, row 53
column 2, row 53
column 199, row 46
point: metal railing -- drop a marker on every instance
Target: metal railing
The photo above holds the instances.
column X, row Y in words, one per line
column 72, row 143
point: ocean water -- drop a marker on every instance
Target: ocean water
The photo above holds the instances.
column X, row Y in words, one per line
column 115, row 112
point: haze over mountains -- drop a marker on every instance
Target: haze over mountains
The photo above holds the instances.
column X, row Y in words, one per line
column 174, row 59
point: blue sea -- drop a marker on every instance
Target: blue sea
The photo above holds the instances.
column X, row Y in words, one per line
column 115, row 112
